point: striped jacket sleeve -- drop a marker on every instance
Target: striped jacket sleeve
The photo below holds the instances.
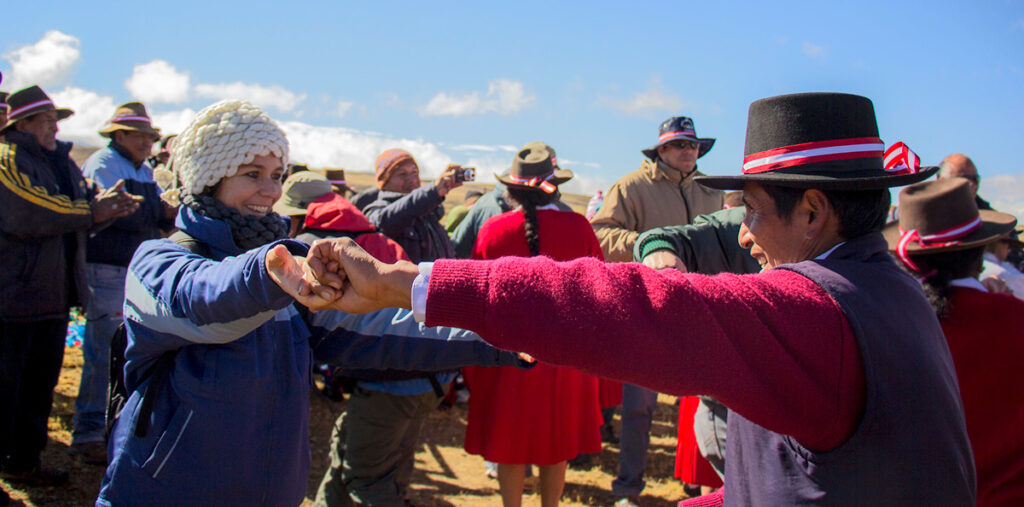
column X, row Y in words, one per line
column 30, row 210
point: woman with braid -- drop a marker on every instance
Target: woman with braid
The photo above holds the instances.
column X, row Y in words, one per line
column 941, row 238
column 550, row 414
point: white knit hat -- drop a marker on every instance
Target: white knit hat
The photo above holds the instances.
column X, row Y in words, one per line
column 222, row 137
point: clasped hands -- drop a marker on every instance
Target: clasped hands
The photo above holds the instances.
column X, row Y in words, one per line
column 337, row 274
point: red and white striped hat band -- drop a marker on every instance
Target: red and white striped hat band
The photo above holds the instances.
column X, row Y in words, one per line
column 28, row 107
column 4, row 106
column 810, row 153
column 536, row 181
column 899, row 159
column 119, row 119
column 948, row 237
column 679, row 133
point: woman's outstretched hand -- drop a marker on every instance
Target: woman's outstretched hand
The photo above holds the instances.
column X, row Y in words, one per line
column 293, row 276
column 338, row 274
column 365, row 283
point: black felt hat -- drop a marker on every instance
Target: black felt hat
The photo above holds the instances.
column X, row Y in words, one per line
column 679, row 127
column 827, row 141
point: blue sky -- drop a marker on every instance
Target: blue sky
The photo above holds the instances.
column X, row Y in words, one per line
column 469, row 82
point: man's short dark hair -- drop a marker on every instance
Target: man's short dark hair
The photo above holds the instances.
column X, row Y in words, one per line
column 860, row 211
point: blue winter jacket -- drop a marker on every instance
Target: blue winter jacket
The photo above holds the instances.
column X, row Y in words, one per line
column 230, row 424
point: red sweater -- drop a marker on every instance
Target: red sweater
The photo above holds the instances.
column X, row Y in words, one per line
column 774, row 346
column 986, row 339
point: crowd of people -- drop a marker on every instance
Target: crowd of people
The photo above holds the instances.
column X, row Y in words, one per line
column 828, row 348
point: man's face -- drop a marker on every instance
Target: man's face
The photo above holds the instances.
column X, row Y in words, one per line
column 680, row 154
column 43, row 126
column 3, row 116
column 772, row 241
column 404, row 179
column 138, row 144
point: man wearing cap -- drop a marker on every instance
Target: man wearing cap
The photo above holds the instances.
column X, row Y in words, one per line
column 48, row 208
column 107, row 255
column 373, row 443
column 840, row 382
column 408, row 213
column 660, row 193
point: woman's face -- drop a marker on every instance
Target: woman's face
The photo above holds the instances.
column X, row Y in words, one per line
column 255, row 188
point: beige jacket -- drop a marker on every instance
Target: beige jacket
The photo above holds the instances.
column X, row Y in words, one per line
column 654, row 195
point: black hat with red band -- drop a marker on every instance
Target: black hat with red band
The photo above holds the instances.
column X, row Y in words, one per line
column 827, row 141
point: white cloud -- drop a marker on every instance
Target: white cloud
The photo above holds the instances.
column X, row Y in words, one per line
column 92, row 111
column 355, row 150
column 158, row 81
column 482, row 147
column 813, row 50
column 263, row 96
column 1005, row 192
column 172, row 122
column 646, row 103
column 583, row 183
column 344, row 107
column 504, row 96
column 48, row 62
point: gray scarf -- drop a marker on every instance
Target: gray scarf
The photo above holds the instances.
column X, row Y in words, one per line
column 248, row 231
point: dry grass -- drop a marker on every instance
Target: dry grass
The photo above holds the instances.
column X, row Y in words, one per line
column 445, row 475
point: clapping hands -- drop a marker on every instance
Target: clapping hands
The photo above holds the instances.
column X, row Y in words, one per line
column 337, row 274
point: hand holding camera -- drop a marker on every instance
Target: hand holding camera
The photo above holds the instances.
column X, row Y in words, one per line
column 454, row 176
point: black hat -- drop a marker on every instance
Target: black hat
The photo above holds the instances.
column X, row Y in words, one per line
column 827, row 141
column 679, row 127
column 31, row 101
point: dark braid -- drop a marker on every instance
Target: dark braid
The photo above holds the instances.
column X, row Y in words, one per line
column 940, row 269
column 530, row 200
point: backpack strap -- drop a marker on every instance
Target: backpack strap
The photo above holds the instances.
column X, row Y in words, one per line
column 159, row 372
column 191, row 243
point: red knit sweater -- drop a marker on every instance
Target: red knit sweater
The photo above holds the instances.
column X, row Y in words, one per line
column 774, row 346
column 986, row 339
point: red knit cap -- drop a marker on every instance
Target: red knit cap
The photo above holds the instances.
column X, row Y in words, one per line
column 388, row 161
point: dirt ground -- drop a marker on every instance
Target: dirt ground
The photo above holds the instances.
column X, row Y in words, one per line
column 445, row 475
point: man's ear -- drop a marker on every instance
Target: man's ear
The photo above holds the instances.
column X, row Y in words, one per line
column 817, row 211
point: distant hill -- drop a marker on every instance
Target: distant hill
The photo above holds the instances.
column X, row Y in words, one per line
column 363, row 180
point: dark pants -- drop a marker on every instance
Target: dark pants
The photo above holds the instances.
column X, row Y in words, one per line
column 31, row 354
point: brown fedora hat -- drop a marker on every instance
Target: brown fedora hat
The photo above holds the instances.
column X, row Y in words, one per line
column 535, row 168
column 941, row 216
column 337, row 178
column 130, row 116
column 31, row 101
